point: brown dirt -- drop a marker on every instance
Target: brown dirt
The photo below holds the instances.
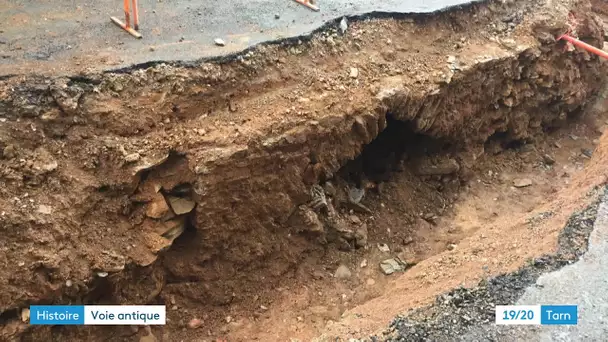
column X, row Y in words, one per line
column 89, row 163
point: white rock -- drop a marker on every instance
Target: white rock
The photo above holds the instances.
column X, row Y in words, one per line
column 180, row 205
column 343, row 25
column 49, row 166
column 390, row 266
column 133, row 157
column 383, row 248
column 356, row 195
column 522, row 183
column 25, row 315
column 219, row 42
column 195, row 323
column 342, row 272
column 45, row 209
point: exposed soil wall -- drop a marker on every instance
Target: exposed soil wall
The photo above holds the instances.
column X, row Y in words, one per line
column 210, row 183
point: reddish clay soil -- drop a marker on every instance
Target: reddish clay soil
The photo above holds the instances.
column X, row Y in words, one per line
column 230, row 191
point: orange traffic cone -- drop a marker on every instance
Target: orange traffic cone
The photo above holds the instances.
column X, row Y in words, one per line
column 127, row 25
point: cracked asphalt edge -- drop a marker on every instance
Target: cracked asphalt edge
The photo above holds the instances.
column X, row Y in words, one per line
column 468, row 314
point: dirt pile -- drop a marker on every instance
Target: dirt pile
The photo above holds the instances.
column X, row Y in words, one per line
column 207, row 188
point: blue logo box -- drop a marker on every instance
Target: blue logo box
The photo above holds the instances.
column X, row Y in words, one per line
column 57, row 314
column 558, row 314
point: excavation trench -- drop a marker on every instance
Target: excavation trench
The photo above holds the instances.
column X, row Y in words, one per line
column 242, row 209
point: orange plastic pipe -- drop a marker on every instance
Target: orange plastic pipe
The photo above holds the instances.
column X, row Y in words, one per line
column 135, row 16
column 127, row 15
column 584, row 46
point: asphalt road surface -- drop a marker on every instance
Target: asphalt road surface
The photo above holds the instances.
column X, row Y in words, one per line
column 67, row 34
column 584, row 283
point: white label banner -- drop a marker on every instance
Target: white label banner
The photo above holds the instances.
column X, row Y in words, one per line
column 124, row 315
column 518, row 314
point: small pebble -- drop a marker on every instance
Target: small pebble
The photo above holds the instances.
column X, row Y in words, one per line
column 587, row 152
column 133, row 157
column 549, row 160
column 342, row 272
column 522, row 182
column 10, row 152
column 195, row 323
column 383, row 248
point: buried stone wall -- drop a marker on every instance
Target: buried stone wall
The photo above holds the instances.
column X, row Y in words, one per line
column 261, row 205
